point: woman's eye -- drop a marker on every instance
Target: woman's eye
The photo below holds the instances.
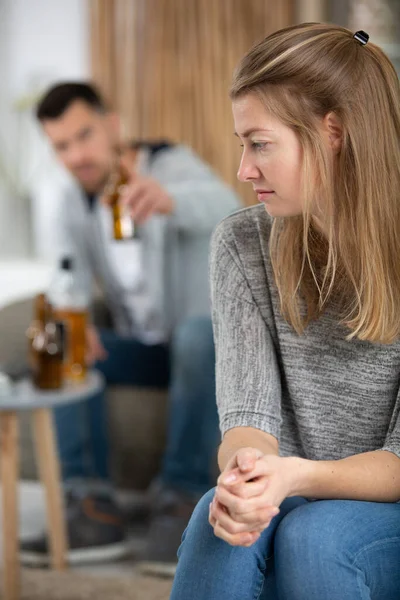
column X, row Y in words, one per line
column 259, row 145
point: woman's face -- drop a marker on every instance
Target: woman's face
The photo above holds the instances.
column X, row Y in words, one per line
column 271, row 159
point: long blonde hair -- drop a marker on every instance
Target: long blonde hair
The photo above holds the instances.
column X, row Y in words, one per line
column 302, row 73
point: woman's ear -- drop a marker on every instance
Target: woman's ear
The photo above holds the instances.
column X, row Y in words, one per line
column 333, row 131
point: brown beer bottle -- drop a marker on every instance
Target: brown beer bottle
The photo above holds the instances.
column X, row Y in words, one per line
column 123, row 225
column 36, row 326
column 48, row 349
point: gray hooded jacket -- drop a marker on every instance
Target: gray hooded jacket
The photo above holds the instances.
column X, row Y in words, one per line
column 174, row 249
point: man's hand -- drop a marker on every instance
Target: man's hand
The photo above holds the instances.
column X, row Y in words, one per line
column 144, row 197
column 248, row 495
column 94, row 348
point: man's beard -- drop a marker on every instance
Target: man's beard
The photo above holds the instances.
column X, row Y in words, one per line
column 93, row 187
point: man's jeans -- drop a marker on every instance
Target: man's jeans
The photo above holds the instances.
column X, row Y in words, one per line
column 188, row 367
column 322, row 550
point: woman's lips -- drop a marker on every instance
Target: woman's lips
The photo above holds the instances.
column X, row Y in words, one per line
column 264, row 195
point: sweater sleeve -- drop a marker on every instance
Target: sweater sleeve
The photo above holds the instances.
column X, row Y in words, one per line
column 201, row 198
column 247, row 373
column 392, row 442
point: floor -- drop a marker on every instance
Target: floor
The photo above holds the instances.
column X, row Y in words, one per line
column 32, row 522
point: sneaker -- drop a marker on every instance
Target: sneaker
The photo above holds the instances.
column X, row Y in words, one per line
column 95, row 532
column 169, row 520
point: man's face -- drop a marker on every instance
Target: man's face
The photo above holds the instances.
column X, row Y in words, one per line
column 84, row 140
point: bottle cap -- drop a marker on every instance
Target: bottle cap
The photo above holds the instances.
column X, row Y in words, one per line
column 66, row 263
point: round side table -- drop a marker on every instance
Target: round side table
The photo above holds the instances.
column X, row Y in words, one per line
column 24, row 396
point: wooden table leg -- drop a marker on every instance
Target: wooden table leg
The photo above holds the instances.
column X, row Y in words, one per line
column 49, row 468
column 9, row 455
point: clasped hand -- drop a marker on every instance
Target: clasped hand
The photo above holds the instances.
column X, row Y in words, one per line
column 248, row 495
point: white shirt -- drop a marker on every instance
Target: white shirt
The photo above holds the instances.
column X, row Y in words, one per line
column 126, row 263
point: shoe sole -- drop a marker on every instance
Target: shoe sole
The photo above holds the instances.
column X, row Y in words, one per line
column 111, row 552
column 157, row 568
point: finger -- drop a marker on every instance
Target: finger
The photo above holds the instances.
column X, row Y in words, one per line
column 239, row 539
column 216, row 508
column 236, row 475
column 211, row 519
column 231, row 477
column 92, row 357
column 212, row 512
column 249, row 489
column 242, row 506
column 102, row 355
column 246, row 458
column 132, row 194
column 89, row 359
column 144, row 209
column 234, row 526
column 90, row 354
column 257, row 520
column 98, row 351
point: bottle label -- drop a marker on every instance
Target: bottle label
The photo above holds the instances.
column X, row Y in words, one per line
column 127, row 227
column 75, row 343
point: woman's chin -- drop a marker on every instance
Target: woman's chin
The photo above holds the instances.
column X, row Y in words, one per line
column 280, row 211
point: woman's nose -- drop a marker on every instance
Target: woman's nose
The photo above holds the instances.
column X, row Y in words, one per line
column 248, row 171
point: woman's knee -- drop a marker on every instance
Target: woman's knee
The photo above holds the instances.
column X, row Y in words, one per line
column 319, row 530
column 199, row 529
column 200, row 513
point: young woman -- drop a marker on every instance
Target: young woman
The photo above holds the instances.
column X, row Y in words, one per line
column 306, row 300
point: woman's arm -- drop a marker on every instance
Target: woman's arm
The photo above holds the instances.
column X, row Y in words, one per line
column 373, row 476
column 245, row 497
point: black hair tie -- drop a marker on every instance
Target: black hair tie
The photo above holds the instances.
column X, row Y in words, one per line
column 361, row 37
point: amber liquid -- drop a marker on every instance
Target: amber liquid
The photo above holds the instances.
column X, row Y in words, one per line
column 48, row 371
column 123, row 226
column 75, row 322
column 117, row 221
column 36, row 327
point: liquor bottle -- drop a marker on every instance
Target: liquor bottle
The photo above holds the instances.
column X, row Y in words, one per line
column 48, row 349
column 123, row 225
column 70, row 308
column 36, row 326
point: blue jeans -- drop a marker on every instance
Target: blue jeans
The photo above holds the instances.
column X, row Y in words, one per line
column 187, row 366
column 322, row 550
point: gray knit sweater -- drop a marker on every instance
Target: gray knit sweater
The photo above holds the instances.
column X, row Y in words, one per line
column 323, row 397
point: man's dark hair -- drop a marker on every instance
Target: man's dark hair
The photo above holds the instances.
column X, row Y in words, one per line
column 61, row 96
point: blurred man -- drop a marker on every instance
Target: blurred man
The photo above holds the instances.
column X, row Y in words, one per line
column 156, row 288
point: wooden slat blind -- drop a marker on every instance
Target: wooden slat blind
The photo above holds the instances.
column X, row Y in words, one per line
column 166, row 66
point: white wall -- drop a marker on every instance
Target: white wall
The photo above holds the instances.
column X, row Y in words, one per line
column 41, row 41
